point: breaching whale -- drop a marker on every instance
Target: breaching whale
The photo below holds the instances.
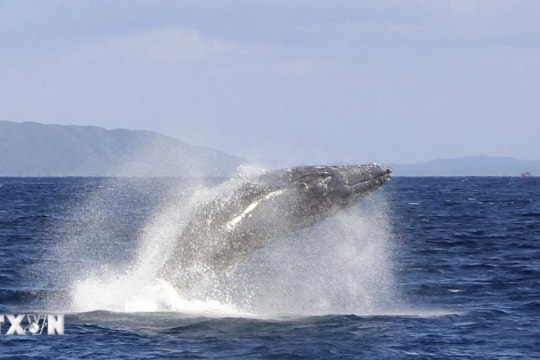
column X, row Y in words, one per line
column 225, row 230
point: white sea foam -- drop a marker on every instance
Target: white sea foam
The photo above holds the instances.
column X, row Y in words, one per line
column 128, row 293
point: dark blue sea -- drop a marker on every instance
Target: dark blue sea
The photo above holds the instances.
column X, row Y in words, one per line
column 424, row 268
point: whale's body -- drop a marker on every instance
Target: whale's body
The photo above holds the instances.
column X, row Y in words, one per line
column 273, row 205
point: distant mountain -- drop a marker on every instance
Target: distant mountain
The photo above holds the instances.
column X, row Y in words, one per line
column 33, row 149
column 469, row 166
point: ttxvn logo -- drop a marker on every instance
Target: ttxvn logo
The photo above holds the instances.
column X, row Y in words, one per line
column 34, row 324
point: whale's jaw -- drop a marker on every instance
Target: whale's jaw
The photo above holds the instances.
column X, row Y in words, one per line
column 360, row 180
column 325, row 188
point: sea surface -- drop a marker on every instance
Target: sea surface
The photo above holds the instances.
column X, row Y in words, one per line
column 425, row 268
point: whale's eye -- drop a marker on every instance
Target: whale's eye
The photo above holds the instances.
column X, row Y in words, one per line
column 321, row 183
column 315, row 183
column 327, row 178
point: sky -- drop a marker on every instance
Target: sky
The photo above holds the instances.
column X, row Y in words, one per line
column 301, row 81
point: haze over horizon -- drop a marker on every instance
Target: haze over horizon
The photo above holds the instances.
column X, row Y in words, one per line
column 303, row 81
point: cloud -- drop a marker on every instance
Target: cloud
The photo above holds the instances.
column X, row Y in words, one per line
column 174, row 46
column 175, row 53
column 171, row 46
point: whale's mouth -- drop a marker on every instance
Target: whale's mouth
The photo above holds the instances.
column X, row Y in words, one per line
column 361, row 174
column 358, row 180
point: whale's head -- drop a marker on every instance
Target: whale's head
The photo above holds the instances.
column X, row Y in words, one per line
column 338, row 186
column 321, row 190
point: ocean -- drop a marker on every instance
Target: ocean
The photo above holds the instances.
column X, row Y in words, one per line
column 424, row 268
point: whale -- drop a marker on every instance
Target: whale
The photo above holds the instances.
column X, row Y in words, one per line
column 222, row 232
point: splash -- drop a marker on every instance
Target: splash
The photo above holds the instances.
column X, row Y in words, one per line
column 342, row 265
column 339, row 266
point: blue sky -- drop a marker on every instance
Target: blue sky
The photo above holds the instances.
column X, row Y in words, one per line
column 300, row 81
